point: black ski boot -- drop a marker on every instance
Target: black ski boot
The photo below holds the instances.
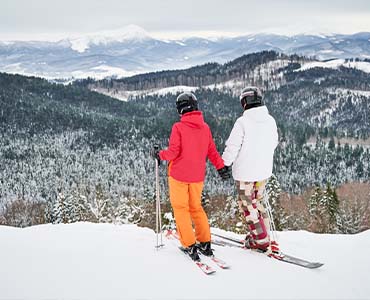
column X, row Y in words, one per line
column 205, row 248
column 192, row 252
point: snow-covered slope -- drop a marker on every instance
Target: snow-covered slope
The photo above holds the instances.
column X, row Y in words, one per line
column 336, row 63
column 129, row 33
column 103, row 261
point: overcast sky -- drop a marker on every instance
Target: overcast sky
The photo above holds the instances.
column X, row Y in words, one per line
column 33, row 18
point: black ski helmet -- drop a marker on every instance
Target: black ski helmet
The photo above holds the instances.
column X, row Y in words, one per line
column 251, row 96
column 186, row 102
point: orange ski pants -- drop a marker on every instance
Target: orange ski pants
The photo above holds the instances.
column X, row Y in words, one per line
column 186, row 203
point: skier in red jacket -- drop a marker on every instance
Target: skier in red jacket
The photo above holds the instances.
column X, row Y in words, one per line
column 190, row 144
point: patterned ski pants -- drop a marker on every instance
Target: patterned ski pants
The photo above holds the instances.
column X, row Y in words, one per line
column 250, row 200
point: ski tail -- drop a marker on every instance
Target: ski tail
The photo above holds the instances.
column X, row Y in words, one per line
column 232, row 242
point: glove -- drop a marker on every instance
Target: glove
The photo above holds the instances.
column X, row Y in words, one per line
column 225, row 172
column 155, row 153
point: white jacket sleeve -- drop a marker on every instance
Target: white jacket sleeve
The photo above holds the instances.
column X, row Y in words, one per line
column 276, row 135
column 233, row 143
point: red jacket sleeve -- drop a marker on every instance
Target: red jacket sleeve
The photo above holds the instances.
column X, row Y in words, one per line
column 174, row 146
column 213, row 154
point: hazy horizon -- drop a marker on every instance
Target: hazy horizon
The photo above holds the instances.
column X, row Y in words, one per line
column 55, row 20
column 171, row 35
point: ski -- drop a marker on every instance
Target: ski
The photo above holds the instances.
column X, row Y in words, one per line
column 208, row 270
column 237, row 241
column 222, row 243
column 219, row 262
column 231, row 242
column 301, row 262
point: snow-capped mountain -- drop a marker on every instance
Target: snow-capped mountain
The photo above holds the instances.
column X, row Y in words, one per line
column 105, row 261
column 131, row 33
column 131, row 50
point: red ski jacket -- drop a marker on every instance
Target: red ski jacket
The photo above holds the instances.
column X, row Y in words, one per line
column 190, row 144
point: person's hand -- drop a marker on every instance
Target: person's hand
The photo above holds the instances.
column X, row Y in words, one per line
column 154, row 152
column 225, row 172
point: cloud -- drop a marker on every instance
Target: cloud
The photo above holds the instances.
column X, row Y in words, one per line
column 22, row 17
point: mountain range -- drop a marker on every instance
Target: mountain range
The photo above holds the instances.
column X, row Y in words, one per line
column 132, row 50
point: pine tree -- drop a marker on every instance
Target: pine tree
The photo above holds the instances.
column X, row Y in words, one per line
column 83, row 210
column 353, row 216
column 148, row 195
column 273, row 191
column 100, row 207
column 316, row 210
column 169, row 221
column 70, row 209
column 129, row 211
column 323, row 208
column 332, row 207
column 59, row 209
column 122, row 211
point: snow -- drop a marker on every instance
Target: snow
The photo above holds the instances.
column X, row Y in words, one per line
column 109, row 71
column 101, row 72
column 335, row 64
column 355, row 92
column 128, row 33
column 360, row 65
column 174, row 90
column 126, row 95
column 105, row 261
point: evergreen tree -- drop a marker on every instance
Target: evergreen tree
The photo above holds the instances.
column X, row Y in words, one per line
column 59, row 209
column 169, row 221
column 100, row 206
column 317, row 210
column 83, row 210
column 122, row 214
column 332, row 207
column 323, row 208
column 273, row 192
column 148, row 194
column 70, row 206
column 129, row 211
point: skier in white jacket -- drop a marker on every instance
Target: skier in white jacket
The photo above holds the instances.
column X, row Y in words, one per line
column 250, row 150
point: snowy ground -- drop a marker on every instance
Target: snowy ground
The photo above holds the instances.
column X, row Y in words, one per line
column 104, row 261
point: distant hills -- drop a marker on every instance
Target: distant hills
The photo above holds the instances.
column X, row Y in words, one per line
column 131, row 50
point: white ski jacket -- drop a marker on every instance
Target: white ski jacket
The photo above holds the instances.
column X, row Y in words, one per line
column 251, row 144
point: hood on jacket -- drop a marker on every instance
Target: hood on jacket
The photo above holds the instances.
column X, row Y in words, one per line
column 257, row 114
column 193, row 119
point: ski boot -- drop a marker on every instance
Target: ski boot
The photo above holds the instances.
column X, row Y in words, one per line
column 205, row 248
column 274, row 247
column 192, row 252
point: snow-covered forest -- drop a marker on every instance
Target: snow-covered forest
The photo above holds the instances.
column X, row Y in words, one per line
column 70, row 154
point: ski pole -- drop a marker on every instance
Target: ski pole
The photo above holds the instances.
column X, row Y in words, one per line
column 158, row 219
column 269, row 213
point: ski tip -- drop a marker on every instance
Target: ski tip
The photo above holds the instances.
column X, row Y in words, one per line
column 205, row 268
column 225, row 267
column 315, row 265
